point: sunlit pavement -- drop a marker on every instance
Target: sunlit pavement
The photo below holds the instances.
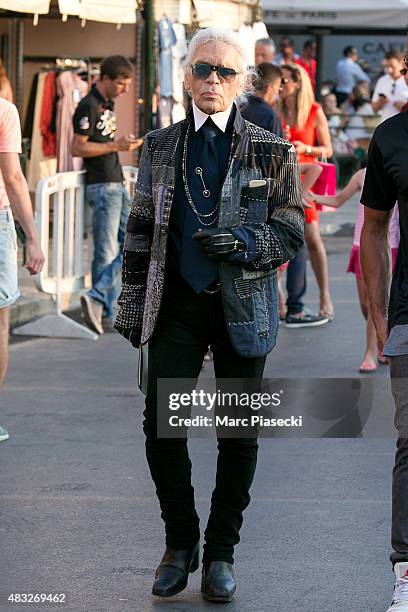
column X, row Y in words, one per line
column 78, row 510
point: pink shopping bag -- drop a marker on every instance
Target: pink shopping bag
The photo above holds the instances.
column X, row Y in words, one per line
column 326, row 184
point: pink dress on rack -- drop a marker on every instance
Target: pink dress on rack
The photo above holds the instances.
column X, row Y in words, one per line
column 71, row 89
column 393, row 238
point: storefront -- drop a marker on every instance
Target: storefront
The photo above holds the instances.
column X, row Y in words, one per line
column 34, row 43
column 49, row 31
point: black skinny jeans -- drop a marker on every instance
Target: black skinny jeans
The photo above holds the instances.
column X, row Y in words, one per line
column 188, row 324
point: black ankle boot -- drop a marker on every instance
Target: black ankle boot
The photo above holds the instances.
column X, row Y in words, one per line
column 172, row 574
column 218, row 582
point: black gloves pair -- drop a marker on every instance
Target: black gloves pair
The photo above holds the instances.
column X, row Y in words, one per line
column 218, row 242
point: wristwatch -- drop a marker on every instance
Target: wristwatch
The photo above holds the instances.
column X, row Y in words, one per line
column 308, row 150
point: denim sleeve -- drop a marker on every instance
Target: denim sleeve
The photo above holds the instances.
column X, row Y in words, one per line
column 279, row 238
column 245, row 235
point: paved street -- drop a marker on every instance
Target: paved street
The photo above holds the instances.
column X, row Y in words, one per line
column 79, row 513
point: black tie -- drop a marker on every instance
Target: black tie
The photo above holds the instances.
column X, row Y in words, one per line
column 195, row 266
column 209, row 158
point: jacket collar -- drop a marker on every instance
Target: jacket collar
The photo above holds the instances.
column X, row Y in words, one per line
column 220, row 119
column 239, row 122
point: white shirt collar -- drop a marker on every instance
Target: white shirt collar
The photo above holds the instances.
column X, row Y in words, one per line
column 220, row 119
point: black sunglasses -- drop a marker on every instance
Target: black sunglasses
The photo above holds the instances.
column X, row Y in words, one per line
column 203, row 71
column 403, row 71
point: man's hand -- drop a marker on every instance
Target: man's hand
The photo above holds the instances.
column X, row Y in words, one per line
column 381, row 328
column 375, row 265
column 382, row 101
column 129, row 143
column 218, row 242
column 35, row 257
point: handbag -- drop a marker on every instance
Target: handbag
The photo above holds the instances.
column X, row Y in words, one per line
column 326, row 184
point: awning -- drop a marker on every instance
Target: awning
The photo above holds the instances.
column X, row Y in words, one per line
column 222, row 12
column 37, row 7
column 391, row 14
column 108, row 11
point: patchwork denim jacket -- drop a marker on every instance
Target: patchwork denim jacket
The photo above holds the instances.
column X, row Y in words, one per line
column 249, row 290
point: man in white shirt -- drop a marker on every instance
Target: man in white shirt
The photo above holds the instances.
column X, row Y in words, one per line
column 391, row 92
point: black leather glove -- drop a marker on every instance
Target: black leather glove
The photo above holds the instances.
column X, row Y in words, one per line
column 218, row 242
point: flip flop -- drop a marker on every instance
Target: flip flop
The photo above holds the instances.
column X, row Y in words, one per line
column 329, row 315
column 381, row 359
column 367, row 370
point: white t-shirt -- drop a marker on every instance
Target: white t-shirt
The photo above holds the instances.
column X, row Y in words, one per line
column 395, row 90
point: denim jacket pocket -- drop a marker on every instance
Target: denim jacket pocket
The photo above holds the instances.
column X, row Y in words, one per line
column 254, row 203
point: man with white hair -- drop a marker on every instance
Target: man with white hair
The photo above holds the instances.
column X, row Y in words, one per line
column 217, row 209
column 265, row 51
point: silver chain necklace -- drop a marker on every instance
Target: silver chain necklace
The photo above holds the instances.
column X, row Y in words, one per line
column 198, row 171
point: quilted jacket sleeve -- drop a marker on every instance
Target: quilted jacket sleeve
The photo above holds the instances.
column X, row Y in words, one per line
column 136, row 255
column 278, row 240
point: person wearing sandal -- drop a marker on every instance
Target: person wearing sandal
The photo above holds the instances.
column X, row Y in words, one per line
column 386, row 182
column 217, row 209
column 305, row 124
column 372, row 354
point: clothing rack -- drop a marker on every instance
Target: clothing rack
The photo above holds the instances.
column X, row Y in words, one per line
column 43, row 59
column 39, row 59
column 82, row 66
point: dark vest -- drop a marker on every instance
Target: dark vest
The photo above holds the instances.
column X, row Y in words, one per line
column 183, row 221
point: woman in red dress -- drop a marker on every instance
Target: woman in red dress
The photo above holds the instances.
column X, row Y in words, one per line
column 305, row 125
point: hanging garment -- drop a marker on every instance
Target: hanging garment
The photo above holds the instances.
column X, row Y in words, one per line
column 29, row 118
column 165, row 112
column 178, row 53
column 39, row 166
column 167, row 39
column 49, row 144
column 71, row 89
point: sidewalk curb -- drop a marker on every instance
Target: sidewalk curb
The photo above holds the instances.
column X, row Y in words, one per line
column 33, row 305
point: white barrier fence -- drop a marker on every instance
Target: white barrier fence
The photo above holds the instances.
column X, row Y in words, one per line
column 67, row 252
